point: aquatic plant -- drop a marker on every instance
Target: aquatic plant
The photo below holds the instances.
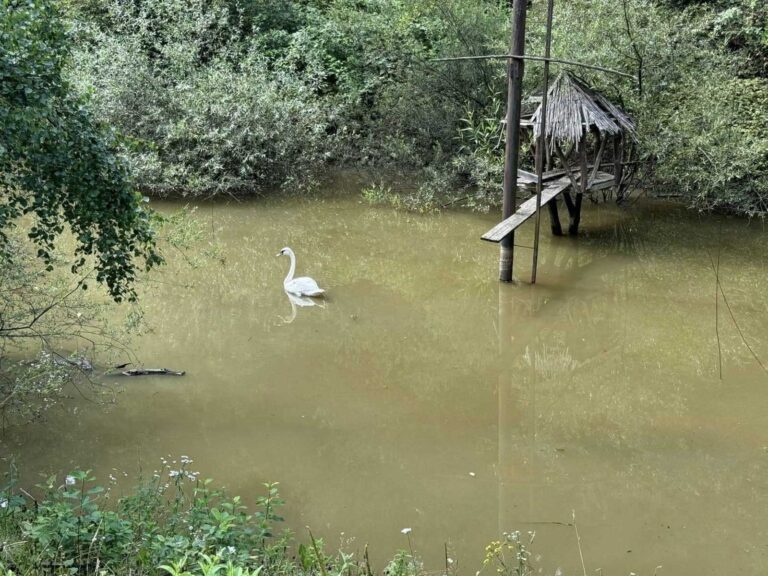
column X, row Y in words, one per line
column 511, row 555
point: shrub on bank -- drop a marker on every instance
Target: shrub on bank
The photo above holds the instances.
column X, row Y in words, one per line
column 247, row 97
column 202, row 109
column 234, row 96
column 74, row 527
column 176, row 523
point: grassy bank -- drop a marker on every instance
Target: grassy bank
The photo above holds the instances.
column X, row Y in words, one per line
column 177, row 523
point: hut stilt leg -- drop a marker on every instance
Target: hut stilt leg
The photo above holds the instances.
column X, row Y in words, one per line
column 618, row 167
column 554, row 218
column 573, row 227
column 568, row 199
column 574, row 212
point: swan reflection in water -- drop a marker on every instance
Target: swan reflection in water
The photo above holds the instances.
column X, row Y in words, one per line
column 299, row 302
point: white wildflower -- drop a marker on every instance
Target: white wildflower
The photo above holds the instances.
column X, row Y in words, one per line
column 70, row 480
column 406, row 531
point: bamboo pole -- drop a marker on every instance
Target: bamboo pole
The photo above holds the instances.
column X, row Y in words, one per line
column 512, row 143
column 540, row 149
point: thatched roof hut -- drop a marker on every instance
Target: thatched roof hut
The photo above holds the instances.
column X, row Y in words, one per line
column 574, row 109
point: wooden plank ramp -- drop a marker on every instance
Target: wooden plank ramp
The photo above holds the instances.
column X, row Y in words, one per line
column 525, row 211
column 601, row 181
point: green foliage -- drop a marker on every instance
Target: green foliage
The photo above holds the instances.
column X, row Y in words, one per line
column 738, row 26
column 55, row 336
column 168, row 521
column 510, row 556
column 173, row 524
column 480, row 158
column 49, row 311
column 714, row 147
column 701, row 118
column 403, row 564
column 244, row 97
column 380, row 194
column 207, row 114
column 235, row 96
column 56, row 163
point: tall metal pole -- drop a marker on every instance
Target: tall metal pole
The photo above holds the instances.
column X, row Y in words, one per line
column 512, row 151
column 540, row 147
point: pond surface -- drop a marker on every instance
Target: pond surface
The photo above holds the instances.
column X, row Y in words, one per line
column 424, row 394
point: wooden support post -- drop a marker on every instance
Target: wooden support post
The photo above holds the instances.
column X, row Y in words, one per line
column 512, row 151
column 552, row 207
column 569, row 204
column 554, row 218
column 564, row 161
column 583, row 168
column 573, row 228
column 540, row 149
column 618, row 167
column 548, row 164
column 574, row 208
column 574, row 211
column 598, row 158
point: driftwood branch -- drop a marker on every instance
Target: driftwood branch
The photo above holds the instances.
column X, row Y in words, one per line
column 150, row 372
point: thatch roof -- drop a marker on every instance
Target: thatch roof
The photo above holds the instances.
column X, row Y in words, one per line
column 573, row 108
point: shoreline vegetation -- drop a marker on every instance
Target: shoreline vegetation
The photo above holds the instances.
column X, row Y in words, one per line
column 176, row 523
column 235, row 97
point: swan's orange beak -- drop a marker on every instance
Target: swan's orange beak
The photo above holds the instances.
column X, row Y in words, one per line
column 279, row 254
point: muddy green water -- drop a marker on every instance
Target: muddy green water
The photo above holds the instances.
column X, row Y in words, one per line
column 426, row 395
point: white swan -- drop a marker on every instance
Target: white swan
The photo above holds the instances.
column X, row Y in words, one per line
column 299, row 286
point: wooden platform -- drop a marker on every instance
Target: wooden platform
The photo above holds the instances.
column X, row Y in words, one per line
column 525, row 211
column 551, row 190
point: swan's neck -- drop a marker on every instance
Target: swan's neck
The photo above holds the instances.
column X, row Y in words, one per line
column 289, row 277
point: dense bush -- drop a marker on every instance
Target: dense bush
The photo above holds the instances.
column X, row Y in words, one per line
column 177, row 524
column 235, row 96
column 247, row 96
column 204, row 110
column 701, row 112
column 72, row 528
column 700, row 106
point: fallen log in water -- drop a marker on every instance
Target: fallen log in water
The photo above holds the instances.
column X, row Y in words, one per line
column 151, row 372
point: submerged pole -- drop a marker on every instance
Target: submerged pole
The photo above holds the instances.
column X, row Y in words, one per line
column 512, row 142
column 540, row 152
